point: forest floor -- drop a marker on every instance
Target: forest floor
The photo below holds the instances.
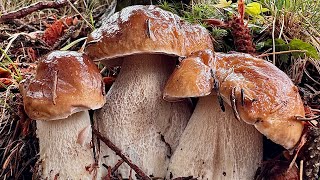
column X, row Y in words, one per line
column 284, row 34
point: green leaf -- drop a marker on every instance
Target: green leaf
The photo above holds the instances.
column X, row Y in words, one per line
column 19, row 76
column 264, row 10
column 68, row 46
column 280, row 45
column 223, row 4
column 297, row 44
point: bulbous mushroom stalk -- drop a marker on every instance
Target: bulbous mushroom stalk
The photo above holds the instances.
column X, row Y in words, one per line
column 266, row 98
column 215, row 145
column 65, row 86
column 147, row 40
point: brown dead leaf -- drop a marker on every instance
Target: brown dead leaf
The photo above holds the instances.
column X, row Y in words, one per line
column 5, row 82
column 108, row 80
column 31, row 54
column 56, row 30
column 4, row 73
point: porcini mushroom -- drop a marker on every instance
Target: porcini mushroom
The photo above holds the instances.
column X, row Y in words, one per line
column 66, row 85
column 221, row 146
column 263, row 96
column 147, row 41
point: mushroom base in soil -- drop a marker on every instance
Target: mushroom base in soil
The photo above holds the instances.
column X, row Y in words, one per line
column 137, row 119
column 70, row 156
column 215, row 145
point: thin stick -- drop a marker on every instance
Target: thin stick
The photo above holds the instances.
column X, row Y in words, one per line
column 233, row 100
column 315, row 110
column 75, row 9
column 119, row 153
column 307, row 119
column 309, row 76
column 4, row 105
column 301, row 170
column 94, row 147
column 312, row 89
column 216, row 88
column 273, row 39
column 54, row 87
column 280, row 52
column 2, row 7
column 242, row 97
column 298, row 148
column 148, row 30
column 130, row 174
column 116, row 167
column 282, row 26
column 20, row 13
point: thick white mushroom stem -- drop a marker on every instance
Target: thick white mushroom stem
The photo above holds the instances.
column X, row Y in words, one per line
column 65, row 150
column 136, row 118
column 215, row 145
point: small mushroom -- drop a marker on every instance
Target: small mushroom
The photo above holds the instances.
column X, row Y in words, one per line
column 259, row 94
column 66, row 85
column 147, row 42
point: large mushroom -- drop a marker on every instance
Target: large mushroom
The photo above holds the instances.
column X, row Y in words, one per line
column 222, row 146
column 146, row 41
column 66, row 85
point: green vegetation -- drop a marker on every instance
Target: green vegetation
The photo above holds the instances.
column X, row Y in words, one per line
column 296, row 23
column 4, row 64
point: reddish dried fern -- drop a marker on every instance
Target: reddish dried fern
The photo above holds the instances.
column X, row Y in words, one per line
column 241, row 36
column 241, row 33
column 57, row 29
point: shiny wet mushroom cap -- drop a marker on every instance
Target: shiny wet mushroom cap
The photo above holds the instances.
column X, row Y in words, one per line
column 66, row 85
column 191, row 78
column 146, row 30
column 264, row 96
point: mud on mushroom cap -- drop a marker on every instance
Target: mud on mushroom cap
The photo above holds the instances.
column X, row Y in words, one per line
column 146, row 29
column 65, row 83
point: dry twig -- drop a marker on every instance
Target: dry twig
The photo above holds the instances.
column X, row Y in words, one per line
column 32, row 8
column 280, row 52
column 119, row 163
column 113, row 147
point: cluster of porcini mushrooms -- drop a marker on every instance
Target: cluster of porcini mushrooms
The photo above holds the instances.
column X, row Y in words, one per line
column 146, row 112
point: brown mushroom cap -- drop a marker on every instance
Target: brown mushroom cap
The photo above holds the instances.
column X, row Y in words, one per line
column 270, row 101
column 65, row 83
column 146, row 29
column 192, row 78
